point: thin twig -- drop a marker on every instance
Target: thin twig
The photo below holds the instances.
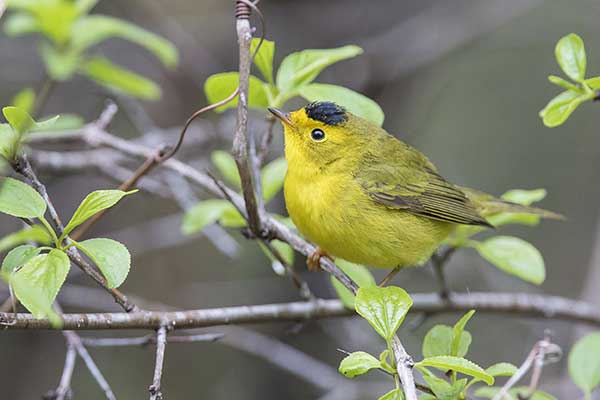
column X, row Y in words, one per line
column 150, row 339
column 143, row 169
column 439, row 260
column 63, row 391
column 542, row 352
column 161, row 344
column 298, row 281
column 265, row 141
column 74, row 341
column 524, row 304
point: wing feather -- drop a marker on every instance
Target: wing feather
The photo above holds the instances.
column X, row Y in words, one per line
column 421, row 191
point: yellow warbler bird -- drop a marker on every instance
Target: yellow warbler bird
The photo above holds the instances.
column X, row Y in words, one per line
column 362, row 195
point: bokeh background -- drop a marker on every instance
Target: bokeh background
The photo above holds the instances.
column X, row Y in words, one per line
column 461, row 80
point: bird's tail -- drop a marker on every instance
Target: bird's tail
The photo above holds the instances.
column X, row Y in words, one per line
column 488, row 205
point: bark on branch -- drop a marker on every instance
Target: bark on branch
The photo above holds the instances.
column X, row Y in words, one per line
column 533, row 305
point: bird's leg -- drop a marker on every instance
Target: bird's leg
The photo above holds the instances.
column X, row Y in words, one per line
column 389, row 276
column 314, row 259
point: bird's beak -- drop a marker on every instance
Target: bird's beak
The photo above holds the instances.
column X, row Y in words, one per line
column 281, row 115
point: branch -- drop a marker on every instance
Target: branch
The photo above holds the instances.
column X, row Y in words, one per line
column 243, row 141
column 533, row 305
column 161, row 344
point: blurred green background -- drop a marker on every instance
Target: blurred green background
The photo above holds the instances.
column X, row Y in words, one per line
column 460, row 80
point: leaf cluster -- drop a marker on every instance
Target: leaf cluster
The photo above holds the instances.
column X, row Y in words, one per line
column 69, row 34
column 294, row 77
column 571, row 57
column 36, row 273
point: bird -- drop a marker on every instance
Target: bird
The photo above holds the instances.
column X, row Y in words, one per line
column 363, row 195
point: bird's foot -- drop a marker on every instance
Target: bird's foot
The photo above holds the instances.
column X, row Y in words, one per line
column 314, row 259
column 389, row 276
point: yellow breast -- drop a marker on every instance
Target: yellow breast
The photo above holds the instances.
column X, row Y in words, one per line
column 333, row 211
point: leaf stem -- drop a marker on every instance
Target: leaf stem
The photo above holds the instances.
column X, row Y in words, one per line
column 46, row 224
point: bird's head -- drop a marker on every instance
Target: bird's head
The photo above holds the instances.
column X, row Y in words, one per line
column 323, row 133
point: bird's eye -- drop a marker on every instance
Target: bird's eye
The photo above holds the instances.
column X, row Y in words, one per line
column 317, row 135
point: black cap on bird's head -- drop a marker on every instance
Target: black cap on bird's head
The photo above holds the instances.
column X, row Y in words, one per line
column 326, row 112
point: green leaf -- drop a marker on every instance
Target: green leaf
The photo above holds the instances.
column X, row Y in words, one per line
column 226, row 166
column 53, row 126
column 438, row 342
column 490, row 392
column 91, row 30
column 20, row 200
column 18, row 256
column 54, row 18
column 219, row 86
column 519, row 196
column 385, row 363
column 114, row 77
column 584, row 363
column 231, row 218
column 110, row 256
column 501, row 369
column 357, row 103
column 383, row 307
column 38, row 282
column 506, row 218
column 18, row 24
column 394, row 394
column 525, row 197
column 557, row 80
column 286, row 251
column 18, row 119
column 60, row 65
column 33, row 298
column 84, row 6
column 203, row 214
column 561, row 107
column 514, row 256
column 24, row 5
column 593, row 83
column 92, row 204
column 359, row 274
column 457, row 364
column 301, row 68
column 35, row 233
column 444, row 390
column 272, row 177
column 358, row 363
column 9, row 142
column 570, row 54
column 457, row 333
column 24, row 100
column 264, row 58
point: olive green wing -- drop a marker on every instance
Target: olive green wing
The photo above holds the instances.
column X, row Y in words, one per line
column 416, row 187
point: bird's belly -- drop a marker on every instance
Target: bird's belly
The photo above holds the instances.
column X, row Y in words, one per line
column 341, row 219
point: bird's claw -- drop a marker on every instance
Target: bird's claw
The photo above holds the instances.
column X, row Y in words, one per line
column 314, row 259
